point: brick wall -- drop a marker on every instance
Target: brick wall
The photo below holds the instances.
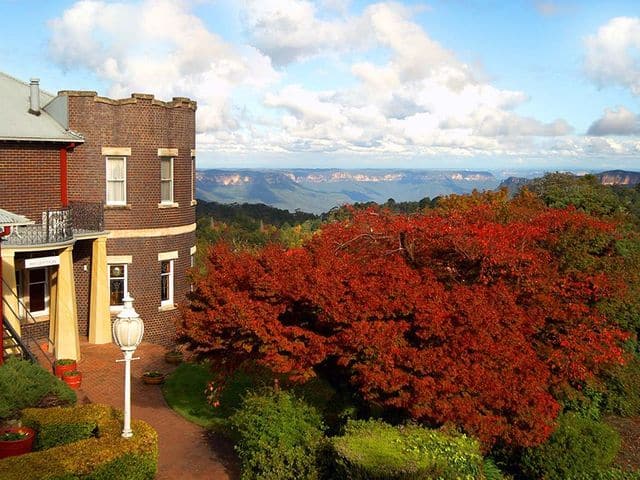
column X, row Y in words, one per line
column 29, row 178
column 81, row 259
column 144, row 125
column 143, row 279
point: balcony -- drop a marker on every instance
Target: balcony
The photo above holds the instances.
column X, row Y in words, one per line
column 59, row 226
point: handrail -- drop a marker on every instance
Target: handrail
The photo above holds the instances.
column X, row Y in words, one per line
column 19, row 343
column 33, row 321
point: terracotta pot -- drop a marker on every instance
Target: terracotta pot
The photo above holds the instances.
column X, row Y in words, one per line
column 157, row 380
column 58, row 370
column 173, row 357
column 10, row 448
column 73, row 381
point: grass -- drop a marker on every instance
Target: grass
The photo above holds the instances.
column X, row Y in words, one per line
column 184, row 392
column 379, row 450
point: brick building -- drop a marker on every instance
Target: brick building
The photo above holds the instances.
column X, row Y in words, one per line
column 109, row 186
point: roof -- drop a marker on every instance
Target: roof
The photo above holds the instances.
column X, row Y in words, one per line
column 16, row 123
column 8, row 219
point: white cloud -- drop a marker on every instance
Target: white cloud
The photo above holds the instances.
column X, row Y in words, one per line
column 408, row 95
column 158, row 46
column 291, row 30
column 618, row 121
column 422, row 100
column 613, row 54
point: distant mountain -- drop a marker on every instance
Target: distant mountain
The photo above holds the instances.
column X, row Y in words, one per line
column 319, row 190
column 514, row 184
column 619, row 177
column 611, row 177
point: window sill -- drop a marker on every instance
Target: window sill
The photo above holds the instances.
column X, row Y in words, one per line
column 168, row 205
column 117, row 207
column 167, row 308
column 194, row 203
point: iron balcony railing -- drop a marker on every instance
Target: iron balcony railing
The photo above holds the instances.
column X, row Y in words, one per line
column 60, row 225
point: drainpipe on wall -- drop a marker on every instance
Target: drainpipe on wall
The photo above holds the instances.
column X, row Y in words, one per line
column 3, row 231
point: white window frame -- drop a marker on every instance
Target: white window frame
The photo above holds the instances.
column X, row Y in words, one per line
column 126, row 283
column 168, row 301
column 124, row 180
column 193, row 179
column 170, row 180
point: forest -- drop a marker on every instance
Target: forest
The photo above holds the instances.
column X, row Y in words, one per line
column 512, row 319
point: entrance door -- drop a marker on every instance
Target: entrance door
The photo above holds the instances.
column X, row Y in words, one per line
column 38, row 291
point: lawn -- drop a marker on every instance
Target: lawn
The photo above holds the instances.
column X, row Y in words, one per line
column 184, row 391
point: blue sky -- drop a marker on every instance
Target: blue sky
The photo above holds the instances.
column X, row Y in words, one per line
column 338, row 83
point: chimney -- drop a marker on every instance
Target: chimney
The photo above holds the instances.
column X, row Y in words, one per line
column 34, row 96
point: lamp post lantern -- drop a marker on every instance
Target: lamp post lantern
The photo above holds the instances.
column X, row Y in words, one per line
column 128, row 329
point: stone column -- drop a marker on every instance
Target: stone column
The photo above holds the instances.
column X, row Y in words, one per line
column 99, row 315
column 66, row 340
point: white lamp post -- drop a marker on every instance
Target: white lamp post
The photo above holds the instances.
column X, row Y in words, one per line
column 127, row 332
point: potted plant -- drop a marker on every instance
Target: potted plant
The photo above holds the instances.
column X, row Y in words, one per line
column 64, row 365
column 153, row 377
column 16, row 441
column 173, row 356
column 72, row 378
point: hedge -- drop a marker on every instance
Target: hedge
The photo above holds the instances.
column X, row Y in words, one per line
column 279, row 437
column 59, row 426
column 24, row 384
column 374, row 450
column 104, row 456
column 579, row 448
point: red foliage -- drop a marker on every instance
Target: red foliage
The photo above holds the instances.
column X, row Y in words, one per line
column 468, row 315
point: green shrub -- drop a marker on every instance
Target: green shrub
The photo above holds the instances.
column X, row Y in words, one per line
column 579, row 448
column 24, row 384
column 105, row 456
column 59, row 426
column 279, row 437
column 623, row 389
column 587, row 403
column 375, row 450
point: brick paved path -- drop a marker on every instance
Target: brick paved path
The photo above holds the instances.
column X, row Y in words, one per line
column 186, row 451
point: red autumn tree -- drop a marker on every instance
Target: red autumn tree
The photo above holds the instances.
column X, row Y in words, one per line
column 470, row 314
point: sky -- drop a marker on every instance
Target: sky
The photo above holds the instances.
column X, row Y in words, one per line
column 551, row 85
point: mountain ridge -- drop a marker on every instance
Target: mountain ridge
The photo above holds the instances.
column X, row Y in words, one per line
column 319, row 190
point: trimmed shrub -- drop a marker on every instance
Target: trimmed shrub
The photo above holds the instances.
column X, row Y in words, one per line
column 59, row 426
column 106, row 456
column 279, row 437
column 374, row 450
column 579, row 448
column 24, row 384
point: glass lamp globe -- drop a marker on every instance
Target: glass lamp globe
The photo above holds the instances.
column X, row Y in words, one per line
column 128, row 327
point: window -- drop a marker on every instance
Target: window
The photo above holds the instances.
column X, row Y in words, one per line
column 166, row 282
column 117, row 284
column 33, row 291
column 116, row 180
column 192, row 263
column 193, row 180
column 166, row 179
